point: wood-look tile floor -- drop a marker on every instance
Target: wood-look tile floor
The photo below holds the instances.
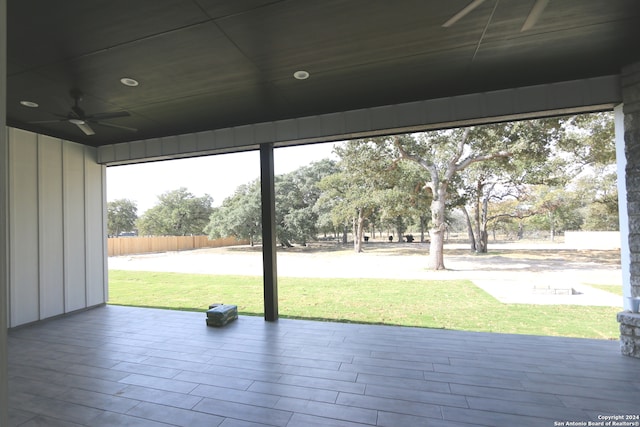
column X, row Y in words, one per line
column 123, row 366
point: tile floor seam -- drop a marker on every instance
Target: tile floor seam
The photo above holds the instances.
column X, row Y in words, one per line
column 560, row 403
column 352, row 381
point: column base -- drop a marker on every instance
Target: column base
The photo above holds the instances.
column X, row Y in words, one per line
column 629, row 333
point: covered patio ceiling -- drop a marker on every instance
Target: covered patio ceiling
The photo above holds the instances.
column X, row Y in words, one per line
column 210, row 64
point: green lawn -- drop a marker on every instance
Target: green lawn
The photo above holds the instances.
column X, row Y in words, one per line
column 451, row 304
column 614, row 289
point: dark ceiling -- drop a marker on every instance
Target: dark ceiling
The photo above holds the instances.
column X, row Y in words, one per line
column 208, row 64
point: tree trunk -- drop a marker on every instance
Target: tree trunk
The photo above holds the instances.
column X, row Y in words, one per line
column 400, row 233
column 354, row 232
column 481, row 219
column 483, row 236
column 436, row 250
column 483, row 240
column 470, row 233
column 345, row 238
column 422, row 227
column 359, row 232
column 286, row 243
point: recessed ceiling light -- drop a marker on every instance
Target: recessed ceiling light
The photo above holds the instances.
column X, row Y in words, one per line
column 29, row 104
column 127, row 81
column 301, row 75
column 77, row 121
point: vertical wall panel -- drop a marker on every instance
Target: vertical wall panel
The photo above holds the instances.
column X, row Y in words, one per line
column 105, row 240
column 50, row 237
column 74, row 226
column 56, row 229
column 4, row 221
column 23, row 231
column 94, row 232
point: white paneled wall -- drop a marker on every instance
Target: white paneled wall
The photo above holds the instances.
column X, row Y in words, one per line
column 57, row 241
column 51, row 265
column 73, row 225
column 23, row 229
column 95, row 228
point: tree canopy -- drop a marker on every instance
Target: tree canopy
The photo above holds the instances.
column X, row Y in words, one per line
column 551, row 174
column 296, row 215
column 122, row 215
column 296, row 196
column 178, row 213
column 239, row 216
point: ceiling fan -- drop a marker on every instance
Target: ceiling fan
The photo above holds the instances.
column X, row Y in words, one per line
column 76, row 116
column 531, row 20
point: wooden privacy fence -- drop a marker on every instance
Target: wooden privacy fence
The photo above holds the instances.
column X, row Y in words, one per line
column 118, row 246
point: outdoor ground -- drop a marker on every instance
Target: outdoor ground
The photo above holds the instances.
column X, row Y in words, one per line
column 527, row 273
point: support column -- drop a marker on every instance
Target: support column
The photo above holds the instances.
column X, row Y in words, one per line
column 269, row 263
column 621, row 160
column 630, row 318
column 4, row 185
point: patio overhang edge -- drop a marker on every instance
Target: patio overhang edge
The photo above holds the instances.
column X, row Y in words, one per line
column 568, row 97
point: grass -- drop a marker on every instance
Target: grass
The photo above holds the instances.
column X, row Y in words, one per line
column 614, row 289
column 447, row 304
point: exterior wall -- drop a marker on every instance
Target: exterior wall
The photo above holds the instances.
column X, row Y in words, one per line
column 56, row 238
column 629, row 333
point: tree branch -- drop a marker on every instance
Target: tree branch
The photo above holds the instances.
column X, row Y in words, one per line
column 404, row 154
column 475, row 159
column 521, row 216
column 429, row 166
column 461, row 144
column 452, row 166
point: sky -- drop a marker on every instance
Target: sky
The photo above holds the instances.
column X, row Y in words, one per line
column 217, row 175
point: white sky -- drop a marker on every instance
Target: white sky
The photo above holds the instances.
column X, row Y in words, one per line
column 217, row 175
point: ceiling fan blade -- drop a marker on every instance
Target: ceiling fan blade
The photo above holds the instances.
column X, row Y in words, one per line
column 534, row 15
column 47, row 121
column 77, row 111
column 106, row 116
column 77, row 117
column 455, row 18
column 111, row 125
column 84, row 127
column 62, row 118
